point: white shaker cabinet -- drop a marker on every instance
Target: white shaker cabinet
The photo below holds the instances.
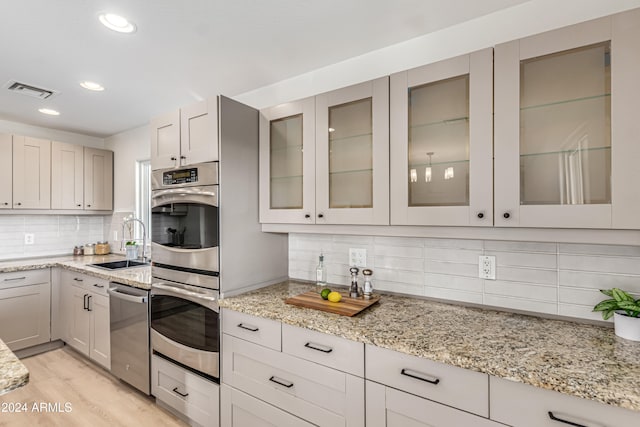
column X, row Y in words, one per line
column 25, row 308
column 6, row 171
column 98, row 179
column 186, row 136
column 31, row 173
column 352, row 154
column 287, row 163
column 566, row 105
column 67, row 176
column 441, row 150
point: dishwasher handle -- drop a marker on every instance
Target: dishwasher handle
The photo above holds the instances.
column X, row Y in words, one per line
column 126, row 297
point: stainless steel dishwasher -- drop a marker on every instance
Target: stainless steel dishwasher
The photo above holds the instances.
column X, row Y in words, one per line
column 129, row 311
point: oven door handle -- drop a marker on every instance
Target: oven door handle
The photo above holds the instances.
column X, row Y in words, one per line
column 183, row 195
column 181, row 192
column 180, row 250
column 195, row 297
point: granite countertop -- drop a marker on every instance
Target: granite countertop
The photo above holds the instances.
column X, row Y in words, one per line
column 138, row 277
column 573, row 358
column 13, row 374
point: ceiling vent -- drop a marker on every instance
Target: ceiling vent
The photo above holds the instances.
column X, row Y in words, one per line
column 29, row 90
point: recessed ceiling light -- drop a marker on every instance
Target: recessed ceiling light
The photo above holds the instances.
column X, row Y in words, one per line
column 49, row 111
column 116, row 23
column 92, row 86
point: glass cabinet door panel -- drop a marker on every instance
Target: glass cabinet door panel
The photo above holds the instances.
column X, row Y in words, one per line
column 438, row 166
column 565, row 127
column 286, row 163
column 351, row 155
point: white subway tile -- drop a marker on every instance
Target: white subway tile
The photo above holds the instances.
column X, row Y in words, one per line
column 401, row 276
column 399, row 251
column 524, row 259
column 453, row 294
column 453, row 243
column 452, row 268
column 454, row 255
column 521, row 290
column 353, row 240
column 520, row 304
column 402, row 288
column 469, row 284
column 582, row 279
column 622, row 265
column 411, row 264
column 589, row 297
column 579, row 311
column 398, row 241
column 529, row 275
column 502, row 246
column 608, row 250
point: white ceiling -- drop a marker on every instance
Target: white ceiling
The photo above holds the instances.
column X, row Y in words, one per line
column 185, row 50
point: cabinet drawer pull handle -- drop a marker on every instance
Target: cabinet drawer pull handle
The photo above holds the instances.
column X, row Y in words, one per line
column 419, row 376
column 89, row 303
column 560, row 420
column 78, row 280
column 98, row 286
column 85, row 304
column 318, row 347
column 280, row 381
column 15, row 278
column 175, row 390
column 248, row 327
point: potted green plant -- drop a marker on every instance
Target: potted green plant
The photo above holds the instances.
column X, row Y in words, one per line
column 625, row 311
column 131, row 249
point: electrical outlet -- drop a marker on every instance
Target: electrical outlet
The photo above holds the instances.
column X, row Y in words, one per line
column 29, row 238
column 487, row 267
column 357, row 257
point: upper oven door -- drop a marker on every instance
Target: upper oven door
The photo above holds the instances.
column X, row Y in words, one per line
column 184, row 231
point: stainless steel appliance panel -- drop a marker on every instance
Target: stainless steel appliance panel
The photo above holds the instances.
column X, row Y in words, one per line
column 187, row 277
column 198, row 259
column 186, row 176
column 129, row 320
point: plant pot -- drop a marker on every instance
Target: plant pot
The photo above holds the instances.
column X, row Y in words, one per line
column 626, row 326
column 131, row 251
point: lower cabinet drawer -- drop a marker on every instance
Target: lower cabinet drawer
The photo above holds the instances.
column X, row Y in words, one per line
column 457, row 387
column 238, row 409
column 315, row 393
column 187, row 393
column 518, row 404
column 259, row 330
column 387, row 407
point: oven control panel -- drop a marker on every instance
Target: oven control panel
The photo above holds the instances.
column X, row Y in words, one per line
column 180, row 176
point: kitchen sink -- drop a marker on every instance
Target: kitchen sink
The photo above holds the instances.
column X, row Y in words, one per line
column 117, row 265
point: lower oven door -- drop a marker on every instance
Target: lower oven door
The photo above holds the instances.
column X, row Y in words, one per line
column 185, row 326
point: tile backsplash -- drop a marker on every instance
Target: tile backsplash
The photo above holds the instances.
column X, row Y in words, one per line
column 551, row 278
column 53, row 234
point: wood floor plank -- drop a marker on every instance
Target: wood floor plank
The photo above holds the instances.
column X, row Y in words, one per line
column 95, row 397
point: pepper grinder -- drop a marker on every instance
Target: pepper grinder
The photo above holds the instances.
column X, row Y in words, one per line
column 368, row 286
column 353, row 291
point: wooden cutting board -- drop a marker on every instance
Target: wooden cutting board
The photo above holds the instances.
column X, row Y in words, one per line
column 346, row 307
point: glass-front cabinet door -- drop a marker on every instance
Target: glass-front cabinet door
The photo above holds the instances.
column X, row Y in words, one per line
column 566, row 141
column 441, row 143
column 352, row 154
column 287, row 163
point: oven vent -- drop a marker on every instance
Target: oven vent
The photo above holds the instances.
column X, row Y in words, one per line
column 29, row 90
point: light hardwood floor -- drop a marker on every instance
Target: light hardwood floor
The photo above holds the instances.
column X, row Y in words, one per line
column 95, row 397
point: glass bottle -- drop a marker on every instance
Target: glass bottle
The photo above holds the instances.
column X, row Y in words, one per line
column 321, row 274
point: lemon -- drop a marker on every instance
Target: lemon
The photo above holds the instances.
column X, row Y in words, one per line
column 334, row 296
column 325, row 293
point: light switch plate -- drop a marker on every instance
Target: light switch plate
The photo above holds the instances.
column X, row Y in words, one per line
column 357, row 257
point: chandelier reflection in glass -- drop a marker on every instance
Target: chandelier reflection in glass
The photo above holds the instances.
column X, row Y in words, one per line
column 427, row 170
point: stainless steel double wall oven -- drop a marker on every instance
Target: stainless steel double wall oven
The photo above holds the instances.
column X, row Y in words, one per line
column 185, row 315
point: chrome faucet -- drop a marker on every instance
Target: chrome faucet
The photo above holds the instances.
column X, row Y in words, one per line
column 144, row 235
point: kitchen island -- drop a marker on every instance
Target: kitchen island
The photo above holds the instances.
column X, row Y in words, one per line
column 577, row 359
column 13, row 374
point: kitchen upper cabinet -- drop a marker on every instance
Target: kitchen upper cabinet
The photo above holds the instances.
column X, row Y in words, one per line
column 442, row 143
column 352, row 154
column 31, row 173
column 6, row 171
column 98, row 179
column 566, row 105
column 67, row 179
column 185, row 136
column 287, row 163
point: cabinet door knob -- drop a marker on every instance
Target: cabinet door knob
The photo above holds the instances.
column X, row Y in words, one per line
column 174, row 158
column 320, row 215
column 506, row 215
column 6, row 203
column 183, row 157
column 18, row 204
column 79, row 205
column 307, row 216
column 88, row 206
column 480, row 215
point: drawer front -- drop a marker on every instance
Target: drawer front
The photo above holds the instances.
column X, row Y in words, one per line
column 523, row 405
column 187, row 393
column 258, row 330
column 315, row 393
column 327, row 350
column 238, row 409
column 457, row 387
column 388, row 407
column 95, row 284
column 16, row 279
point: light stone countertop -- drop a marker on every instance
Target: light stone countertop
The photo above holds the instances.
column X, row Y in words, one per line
column 13, row 374
column 138, row 277
column 573, row 358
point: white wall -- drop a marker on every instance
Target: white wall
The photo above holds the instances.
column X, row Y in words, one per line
column 529, row 18
column 128, row 147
